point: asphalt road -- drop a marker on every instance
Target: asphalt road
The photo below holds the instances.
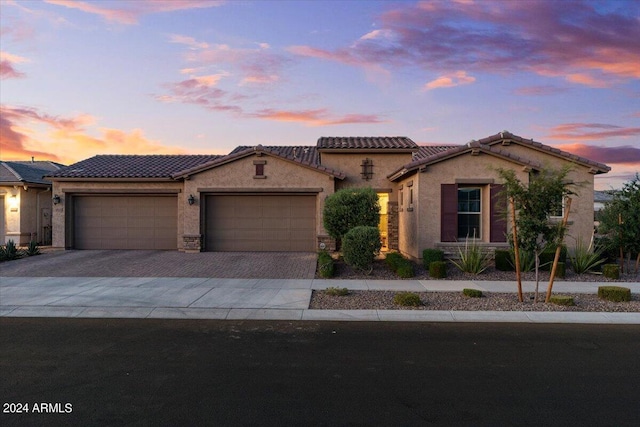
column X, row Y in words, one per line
column 169, row 372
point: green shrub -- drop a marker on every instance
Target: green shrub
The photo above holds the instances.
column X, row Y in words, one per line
column 547, row 256
column 472, row 293
column 472, row 259
column 349, row 208
column 614, row 293
column 11, row 251
column 562, row 300
column 431, row 255
column 611, row 271
column 438, row 269
column 407, row 299
column 326, row 266
column 400, row 265
column 32, row 249
column 360, row 246
column 585, row 258
column 561, row 270
column 405, row 269
column 336, row 292
column 503, row 260
column 393, row 259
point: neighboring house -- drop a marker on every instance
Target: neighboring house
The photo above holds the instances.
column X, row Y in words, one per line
column 25, row 201
column 271, row 198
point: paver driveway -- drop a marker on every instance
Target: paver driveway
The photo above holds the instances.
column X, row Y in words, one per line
column 108, row 263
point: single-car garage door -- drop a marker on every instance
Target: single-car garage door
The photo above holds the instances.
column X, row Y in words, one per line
column 266, row 223
column 125, row 222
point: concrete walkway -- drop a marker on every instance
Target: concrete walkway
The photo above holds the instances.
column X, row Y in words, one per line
column 273, row 299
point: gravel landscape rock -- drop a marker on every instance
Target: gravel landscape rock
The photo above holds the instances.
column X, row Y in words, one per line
column 383, row 300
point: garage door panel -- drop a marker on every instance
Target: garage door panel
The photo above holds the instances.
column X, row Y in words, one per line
column 260, row 223
column 125, row 222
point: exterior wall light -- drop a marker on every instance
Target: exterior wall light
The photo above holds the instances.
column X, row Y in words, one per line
column 191, row 200
column 56, row 199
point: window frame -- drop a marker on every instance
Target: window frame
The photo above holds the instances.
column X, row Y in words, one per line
column 479, row 213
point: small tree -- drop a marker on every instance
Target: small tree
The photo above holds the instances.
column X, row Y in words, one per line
column 534, row 204
column 349, row 208
column 620, row 221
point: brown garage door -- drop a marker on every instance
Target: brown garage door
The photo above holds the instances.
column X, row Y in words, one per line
column 260, row 223
column 125, row 222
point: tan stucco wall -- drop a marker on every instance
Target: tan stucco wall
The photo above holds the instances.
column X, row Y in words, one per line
column 22, row 214
column 350, row 164
column 409, row 217
column 239, row 175
column 66, row 190
column 483, row 167
column 464, row 167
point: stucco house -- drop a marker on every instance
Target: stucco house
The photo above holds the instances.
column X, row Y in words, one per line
column 25, row 201
column 271, row 198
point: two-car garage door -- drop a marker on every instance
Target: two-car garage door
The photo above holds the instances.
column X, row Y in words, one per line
column 125, row 222
column 267, row 223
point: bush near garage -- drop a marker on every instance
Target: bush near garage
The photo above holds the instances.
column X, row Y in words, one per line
column 326, row 266
column 400, row 265
column 431, row 255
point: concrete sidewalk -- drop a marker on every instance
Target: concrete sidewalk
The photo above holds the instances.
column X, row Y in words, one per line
column 273, row 299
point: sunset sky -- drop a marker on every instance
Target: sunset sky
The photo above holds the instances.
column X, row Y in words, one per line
column 81, row 78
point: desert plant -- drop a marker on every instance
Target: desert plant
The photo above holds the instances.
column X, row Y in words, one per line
column 585, row 258
column 11, row 251
column 527, row 260
column 326, row 266
column 472, row 259
column 32, row 249
column 438, row 269
column 407, row 299
column 611, row 271
column 562, row 300
column 431, row 255
column 614, row 293
column 336, row 292
column 503, row 260
column 472, row 293
column 360, row 246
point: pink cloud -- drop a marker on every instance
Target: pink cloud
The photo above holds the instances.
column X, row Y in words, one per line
column 625, row 154
column 319, row 117
column 450, row 80
column 570, row 40
column 255, row 65
column 128, row 12
column 591, row 131
column 7, row 70
column 540, row 90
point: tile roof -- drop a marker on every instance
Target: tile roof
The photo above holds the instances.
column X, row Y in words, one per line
column 306, row 154
column 425, row 151
column 506, row 137
column 473, row 146
column 286, row 154
column 28, row 172
column 366, row 142
column 132, row 166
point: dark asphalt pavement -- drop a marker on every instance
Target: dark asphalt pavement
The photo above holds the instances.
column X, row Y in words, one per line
column 224, row 373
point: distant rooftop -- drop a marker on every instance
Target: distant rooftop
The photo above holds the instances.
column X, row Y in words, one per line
column 27, row 172
column 366, row 142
